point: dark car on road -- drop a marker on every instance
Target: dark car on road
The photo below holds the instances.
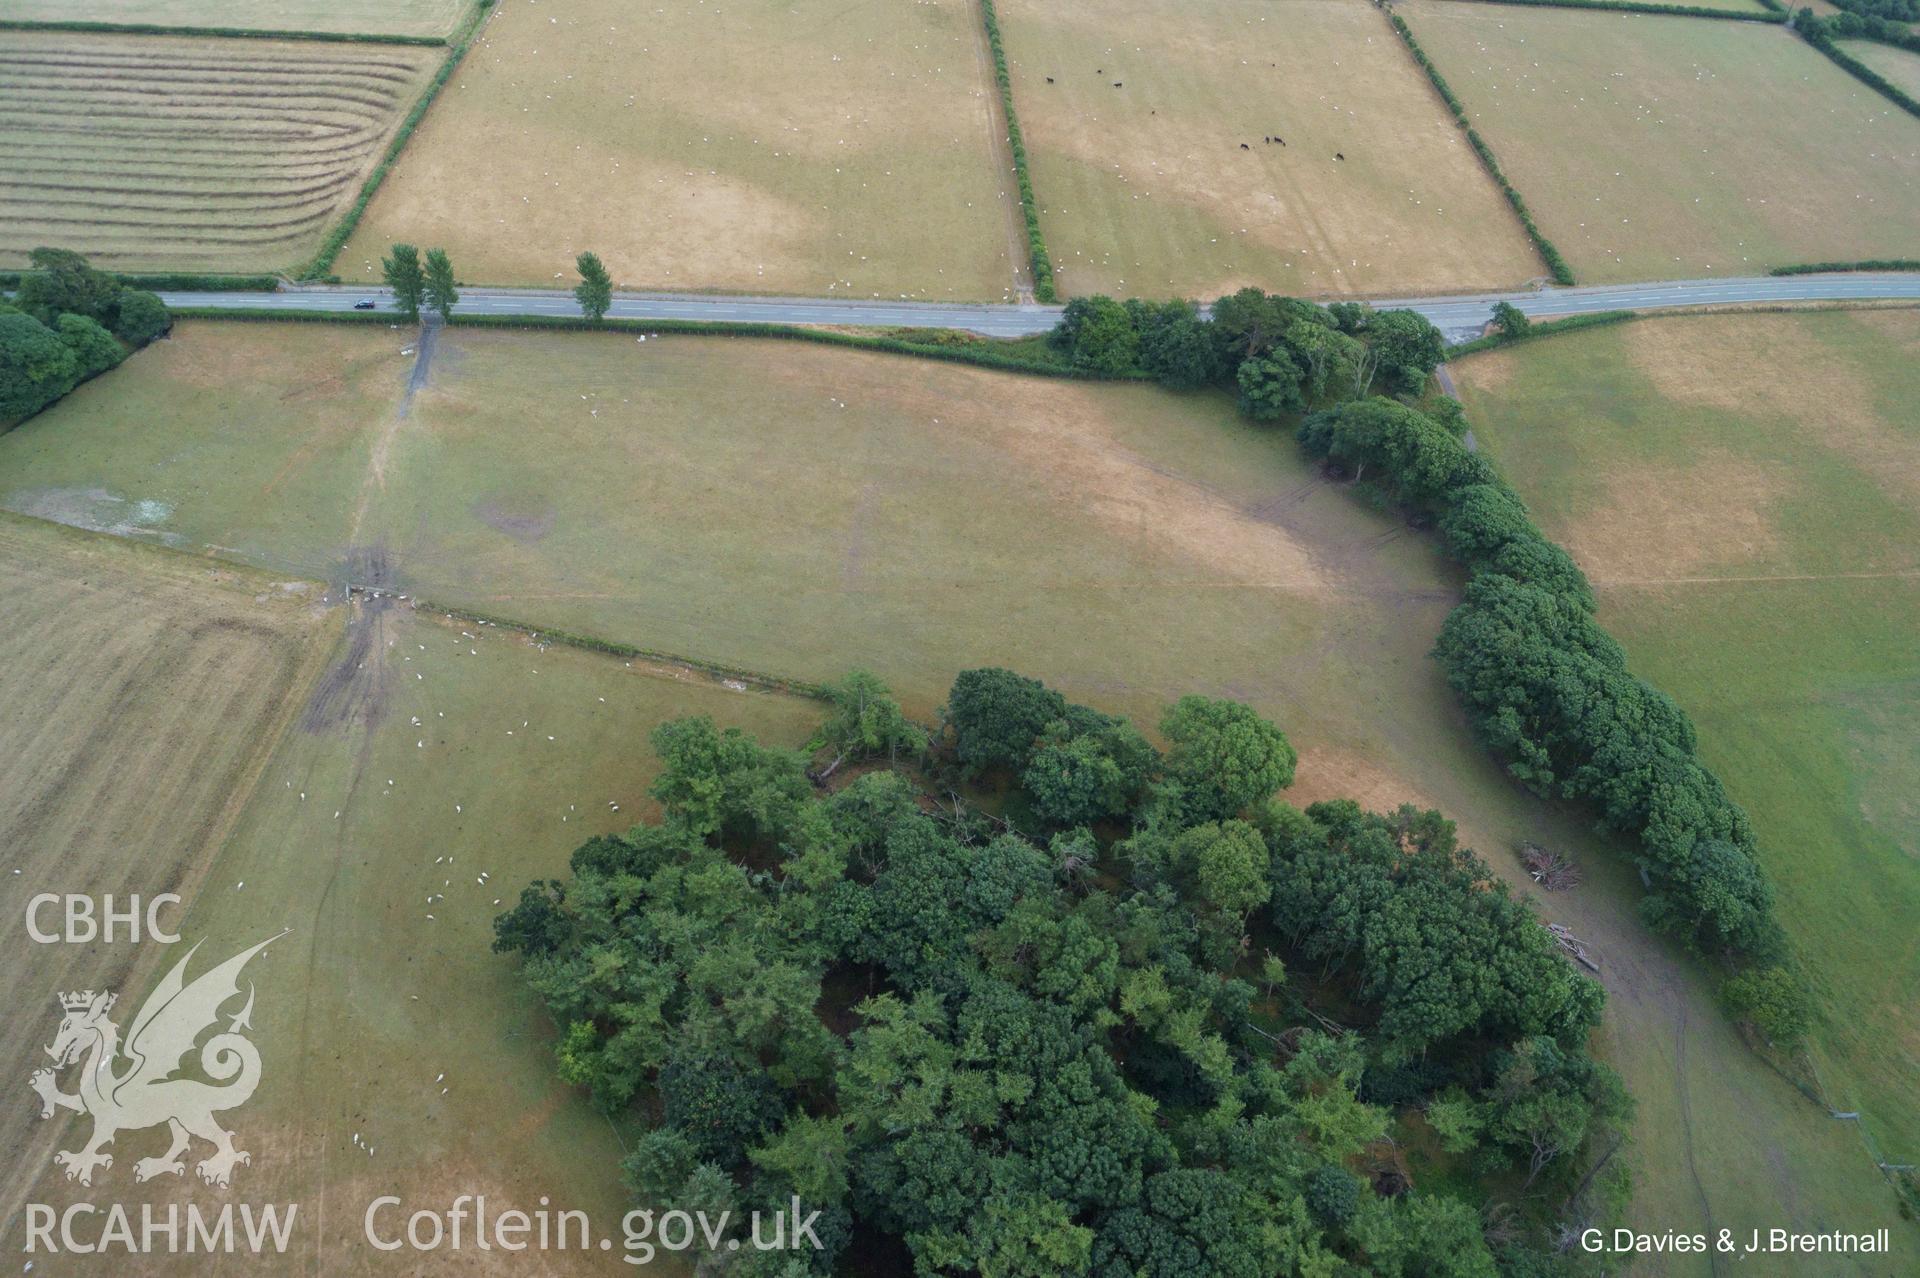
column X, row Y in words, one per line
column 364, row 304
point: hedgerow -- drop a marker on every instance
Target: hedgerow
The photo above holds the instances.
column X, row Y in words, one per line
column 1042, row 263
column 1540, row 328
column 174, row 282
column 1644, row 6
column 322, row 262
column 627, row 651
column 223, row 33
column 982, row 353
column 1829, row 268
column 1815, row 34
column 1556, row 264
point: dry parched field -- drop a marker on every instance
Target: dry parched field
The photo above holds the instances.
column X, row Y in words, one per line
column 1671, row 148
column 747, row 148
column 1148, row 122
column 142, row 692
column 373, row 17
column 146, row 151
column 800, row 510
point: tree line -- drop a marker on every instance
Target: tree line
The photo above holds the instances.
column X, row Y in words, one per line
column 66, row 323
column 1549, row 693
column 430, row 284
column 1027, row 995
column 1546, row 689
column 1280, row 355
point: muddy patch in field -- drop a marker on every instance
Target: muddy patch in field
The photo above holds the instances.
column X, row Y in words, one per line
column 98, row 510
column 356, row 688
column 523, row 519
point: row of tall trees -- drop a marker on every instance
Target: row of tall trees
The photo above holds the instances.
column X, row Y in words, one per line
column 1549, row 692
column 430, row 285
column 416, row 285
column 1282, row 355
column 1066, row 1025
column 66, row 323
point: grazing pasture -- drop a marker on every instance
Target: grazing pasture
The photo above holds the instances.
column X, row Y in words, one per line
column 1899, row 66
column 1742, row 490
column 1671, row 148
column 142, row 693
column 1191, row 149
column 778, row 505
column 371, row 17
column 190, row 154
column 752, row 148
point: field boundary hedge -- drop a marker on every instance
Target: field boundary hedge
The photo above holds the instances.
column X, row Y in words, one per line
column 626, row 651
column 980, row 354
column 219, row 33
column 1647, row 6
column 173, row 282
column 1556, row 264
column 1835, row 268
column 1040, row 261
column 1541, row 328
column 336, row 240
column 1860, row 71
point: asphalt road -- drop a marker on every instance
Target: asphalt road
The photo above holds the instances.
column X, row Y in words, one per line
column 1458, row 316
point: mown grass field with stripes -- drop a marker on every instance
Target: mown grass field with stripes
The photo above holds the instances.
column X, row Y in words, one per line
column 370, row 17
column 185, row 154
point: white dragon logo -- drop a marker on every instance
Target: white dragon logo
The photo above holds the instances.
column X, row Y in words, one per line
column 145, row 1093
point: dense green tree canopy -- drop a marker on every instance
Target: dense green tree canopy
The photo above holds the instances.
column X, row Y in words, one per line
column 943, row 1035
column 61, row 283
column 594, row 292
column 36, row 367
column 1224, row 755
column 404, row 275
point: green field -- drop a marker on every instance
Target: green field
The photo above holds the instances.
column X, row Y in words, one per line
column 1742, row 489
column 852, row 156
column 190, row 154
column 413, row 757
column 1673, row 148
column 804, row 509
column 1901, row 67
column 1135, row 112
column 381, row 17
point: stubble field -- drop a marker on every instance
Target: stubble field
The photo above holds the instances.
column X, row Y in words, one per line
column 1150, row 126
column 1671, row 148
column 142, row 692
column 853, row 156
column 1742, row 490
column 190, row 154
column 781, row 506
column 381, row 17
